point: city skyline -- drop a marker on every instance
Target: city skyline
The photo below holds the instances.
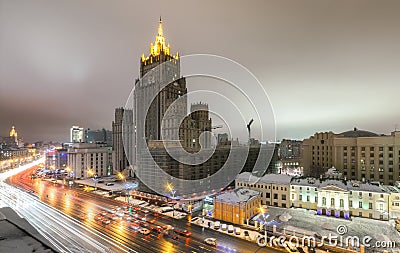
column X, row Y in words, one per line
column 63, row 66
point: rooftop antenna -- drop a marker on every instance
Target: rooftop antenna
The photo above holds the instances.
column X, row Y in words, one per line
column 248, row 127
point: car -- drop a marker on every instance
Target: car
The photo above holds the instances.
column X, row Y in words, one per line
column 217, row 225
column 246, row 233
column 157, row 229
column 106, row 222
column 133, row 227
column 182, row 232
column 230, row 229
column 144, row 231
column 211, row 241
column 194, row 219
column 223, row 227
column 109, row 184
column 237, row 231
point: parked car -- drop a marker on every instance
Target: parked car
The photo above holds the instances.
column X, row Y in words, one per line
column 230, row 229
column 211, row 241
column 217, row 225
column 237, row 231
column 223, row 227
column 246, row 233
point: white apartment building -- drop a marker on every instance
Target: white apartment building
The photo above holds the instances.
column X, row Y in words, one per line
column 87, row 159
column 340, row 198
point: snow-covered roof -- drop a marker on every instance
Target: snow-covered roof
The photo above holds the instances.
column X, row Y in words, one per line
column 350, row 185
column 390, row 189
column 276, row 179
column 237, row 195
column 266, row 179
column 248, row 177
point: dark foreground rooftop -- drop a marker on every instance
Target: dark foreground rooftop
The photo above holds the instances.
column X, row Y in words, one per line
column 18, row 236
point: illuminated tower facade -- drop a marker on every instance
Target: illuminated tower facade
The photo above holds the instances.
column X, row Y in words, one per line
column 161, row 67
column 14, row 135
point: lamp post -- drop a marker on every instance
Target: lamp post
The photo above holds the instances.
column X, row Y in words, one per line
column 263, row 215
column 172, row 196
column 95, row 180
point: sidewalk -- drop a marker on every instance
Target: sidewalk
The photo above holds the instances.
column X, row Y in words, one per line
column 204, row 222
column 173, row 214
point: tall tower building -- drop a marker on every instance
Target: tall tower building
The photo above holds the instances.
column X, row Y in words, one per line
column 122, row 131
column 161, row 67
column 14, row 135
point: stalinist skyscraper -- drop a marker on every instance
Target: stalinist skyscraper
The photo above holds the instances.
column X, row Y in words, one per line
column 159, row 67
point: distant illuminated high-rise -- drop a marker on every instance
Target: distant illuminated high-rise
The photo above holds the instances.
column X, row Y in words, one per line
column 77, row 134
column 14, row 135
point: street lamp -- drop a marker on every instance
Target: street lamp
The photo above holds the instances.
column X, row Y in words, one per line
column 261, row 208
column 172, row 196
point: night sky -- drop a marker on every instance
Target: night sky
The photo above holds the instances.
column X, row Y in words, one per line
column 326, row 65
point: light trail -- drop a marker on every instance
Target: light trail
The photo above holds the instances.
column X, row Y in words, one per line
column 65, row 233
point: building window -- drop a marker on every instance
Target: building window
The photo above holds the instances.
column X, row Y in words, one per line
column 316, row 199
column 360, row 204
column 324, row 201
column 332, row 201
column 300, row 197
column 351, row 203
column 308, row 198
column 341, row 203
column 283, row 196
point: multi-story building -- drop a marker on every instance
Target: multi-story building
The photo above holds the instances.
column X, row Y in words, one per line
column 290, row 166
column 77, row 134
column 290, row 149
column 394, row 199
column 237, row 206
column 196, row 123
column 274, row 188
column 99, row 136
column 87, row 159
column 340, row 198
column 122, row 134
column 56, row 159
column 357, row 154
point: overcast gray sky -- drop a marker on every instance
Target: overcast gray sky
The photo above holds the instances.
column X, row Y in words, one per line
column 326, row 65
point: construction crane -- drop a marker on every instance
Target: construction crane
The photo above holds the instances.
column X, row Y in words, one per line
column 248, row 127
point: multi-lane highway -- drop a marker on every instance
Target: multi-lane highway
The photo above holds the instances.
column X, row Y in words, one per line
column 85, row 211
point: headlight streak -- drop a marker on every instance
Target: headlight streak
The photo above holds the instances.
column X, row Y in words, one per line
column 64, row 232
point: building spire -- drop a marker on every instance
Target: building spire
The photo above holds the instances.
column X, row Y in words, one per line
column 159, row 46
column 160, row 29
